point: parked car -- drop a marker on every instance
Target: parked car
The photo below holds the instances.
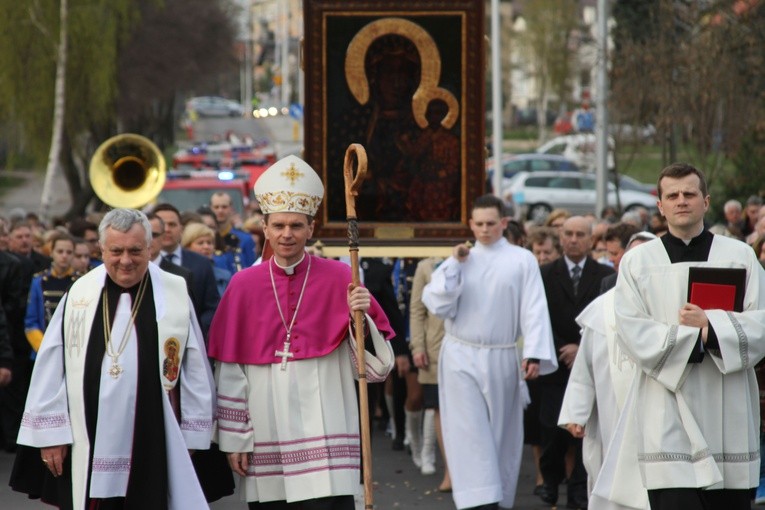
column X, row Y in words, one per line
column 214, row 106
column 536, row 194
column 629, row 183
column 631, row 132
column 514, row 163
column 579, row 148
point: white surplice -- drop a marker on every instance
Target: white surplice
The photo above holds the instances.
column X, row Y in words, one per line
column 301, row 424
column 697, row 423
column 488, row 301
column 595, row 395
column 54, row 412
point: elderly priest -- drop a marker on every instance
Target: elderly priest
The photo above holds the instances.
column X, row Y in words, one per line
column 122, row 390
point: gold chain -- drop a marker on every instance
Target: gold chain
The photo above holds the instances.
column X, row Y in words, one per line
column 116, row 369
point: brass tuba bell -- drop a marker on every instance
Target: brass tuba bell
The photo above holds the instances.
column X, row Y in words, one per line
column 127, row 170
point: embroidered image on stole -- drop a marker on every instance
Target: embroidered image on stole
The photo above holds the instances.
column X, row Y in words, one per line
column 75, row 331
column 171, row 362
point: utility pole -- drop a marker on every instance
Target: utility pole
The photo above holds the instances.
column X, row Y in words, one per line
column 496, row 99
column 247, row 81
column 601, row 111
column 284, row 19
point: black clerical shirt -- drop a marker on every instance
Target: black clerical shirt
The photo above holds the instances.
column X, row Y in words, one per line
column 147, row 485
column 697, row 250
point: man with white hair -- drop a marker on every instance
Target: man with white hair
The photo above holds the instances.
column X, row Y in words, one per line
column 734, row 220
column 632, row 218
column 122, row 390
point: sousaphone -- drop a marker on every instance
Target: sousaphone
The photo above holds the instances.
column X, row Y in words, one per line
column 128, row 171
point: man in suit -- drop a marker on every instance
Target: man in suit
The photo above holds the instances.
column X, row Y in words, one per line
column 17, row 268
column 14, row 371
column 570, row 282
column 155, row 252
column 20, row 244
column 211, row 465
column 204, row 288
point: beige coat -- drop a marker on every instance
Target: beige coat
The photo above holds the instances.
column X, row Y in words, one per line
column 426, row 330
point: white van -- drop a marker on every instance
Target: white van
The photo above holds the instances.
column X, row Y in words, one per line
column 579, row 148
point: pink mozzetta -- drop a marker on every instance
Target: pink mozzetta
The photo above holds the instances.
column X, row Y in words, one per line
column 247, row 328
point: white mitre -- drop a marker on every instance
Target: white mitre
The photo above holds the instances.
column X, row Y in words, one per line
column 289, row 185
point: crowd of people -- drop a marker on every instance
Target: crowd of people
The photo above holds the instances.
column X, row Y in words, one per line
column 592, row 418
column 575, row 337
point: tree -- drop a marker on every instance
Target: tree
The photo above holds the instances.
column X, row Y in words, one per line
column 127, row 60
column 696, row 71
column 180, row 46
column 547, row 41
column 54, row 155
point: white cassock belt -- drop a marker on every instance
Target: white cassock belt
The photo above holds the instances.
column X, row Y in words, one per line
column 525, row 395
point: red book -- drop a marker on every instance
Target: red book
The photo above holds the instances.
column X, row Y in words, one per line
column 713, row 296
column 714, row 288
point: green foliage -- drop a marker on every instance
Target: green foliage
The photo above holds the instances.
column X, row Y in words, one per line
column 9, row 182
column 749, row 163
column 28, row 48
column 126, row 62
column 124, row 58
column 550, row 24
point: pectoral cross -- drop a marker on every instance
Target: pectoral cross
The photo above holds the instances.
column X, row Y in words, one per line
column 284, row 354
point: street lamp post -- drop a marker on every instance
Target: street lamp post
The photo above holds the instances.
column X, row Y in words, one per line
column 496, row 99
column 601, row 109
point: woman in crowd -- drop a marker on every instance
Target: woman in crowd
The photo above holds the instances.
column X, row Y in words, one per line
column 200, row 239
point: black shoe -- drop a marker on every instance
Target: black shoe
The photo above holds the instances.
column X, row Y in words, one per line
column 577, row 502
column 397, row 444
column 538, row 490
column 548, row 494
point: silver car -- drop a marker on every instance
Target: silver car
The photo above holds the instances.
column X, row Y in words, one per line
column 214, row 106
column 536, row 194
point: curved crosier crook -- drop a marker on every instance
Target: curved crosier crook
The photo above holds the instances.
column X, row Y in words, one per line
column 353, row 182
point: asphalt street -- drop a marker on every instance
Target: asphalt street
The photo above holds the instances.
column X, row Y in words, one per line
column 397, row 484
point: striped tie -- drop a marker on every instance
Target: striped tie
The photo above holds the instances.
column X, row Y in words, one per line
column 576, row 275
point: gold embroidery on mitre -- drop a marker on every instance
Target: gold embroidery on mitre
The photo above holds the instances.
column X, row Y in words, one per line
column 292, row 174
column 288, row 201
column 171, row 363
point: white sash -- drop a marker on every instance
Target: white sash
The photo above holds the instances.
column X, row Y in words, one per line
column 81, row 307
column 112, row 452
